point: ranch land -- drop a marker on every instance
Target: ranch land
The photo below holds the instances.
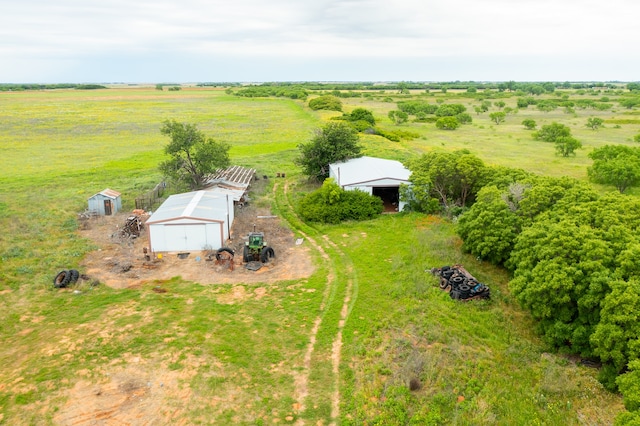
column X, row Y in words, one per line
column 348, row 327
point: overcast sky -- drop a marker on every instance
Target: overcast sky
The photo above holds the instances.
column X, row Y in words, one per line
column 83, row 41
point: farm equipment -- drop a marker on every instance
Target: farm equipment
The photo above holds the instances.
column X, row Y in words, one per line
column 460, row 284
column 256, row 248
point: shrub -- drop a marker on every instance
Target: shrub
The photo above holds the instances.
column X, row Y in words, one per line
column 332, row 204
column 447, row 123
column 327, row 102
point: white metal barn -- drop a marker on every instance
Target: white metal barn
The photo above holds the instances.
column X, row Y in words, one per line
column 194, row 221
column 375, row 176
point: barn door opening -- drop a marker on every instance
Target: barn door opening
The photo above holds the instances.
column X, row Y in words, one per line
column 107, row 207
column 390, row 197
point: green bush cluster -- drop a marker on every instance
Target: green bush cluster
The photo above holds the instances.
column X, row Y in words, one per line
column 332, row 204
column 292, row 92
column 573, row 255
column 326, row 102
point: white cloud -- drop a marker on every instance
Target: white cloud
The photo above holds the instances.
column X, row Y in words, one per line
column 82, row 30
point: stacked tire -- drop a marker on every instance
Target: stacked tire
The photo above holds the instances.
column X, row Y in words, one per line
column 460, row 284
column 65, row 278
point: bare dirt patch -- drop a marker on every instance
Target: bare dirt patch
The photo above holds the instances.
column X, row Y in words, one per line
column 120, row 262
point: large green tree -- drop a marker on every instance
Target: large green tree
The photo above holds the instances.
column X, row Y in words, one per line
column 616, row 165
column 336, row 141
column 192, row 156
column 451, row 178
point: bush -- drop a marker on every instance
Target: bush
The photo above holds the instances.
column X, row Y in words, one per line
column 332, row 204
column 447, row 123
column 327, row 102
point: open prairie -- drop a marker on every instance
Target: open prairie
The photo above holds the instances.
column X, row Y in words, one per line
column 362, row 336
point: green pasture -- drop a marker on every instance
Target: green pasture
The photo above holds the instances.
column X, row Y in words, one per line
column 477, row 363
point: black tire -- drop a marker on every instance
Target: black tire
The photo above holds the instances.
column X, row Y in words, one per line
column 457, row 280
column 454, row 294
column 62, row 279
column 245, row 254
column 465, row 291
column 224, row 249
column 74, row 276
column 266, row 254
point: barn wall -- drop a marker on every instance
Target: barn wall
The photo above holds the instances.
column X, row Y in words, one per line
column 171, row 237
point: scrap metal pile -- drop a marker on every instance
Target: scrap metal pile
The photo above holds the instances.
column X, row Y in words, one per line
column 460, row 284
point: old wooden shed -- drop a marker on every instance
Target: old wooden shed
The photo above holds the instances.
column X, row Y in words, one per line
column 105, row 203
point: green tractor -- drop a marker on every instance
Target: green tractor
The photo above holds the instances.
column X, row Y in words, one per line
column 256, row 248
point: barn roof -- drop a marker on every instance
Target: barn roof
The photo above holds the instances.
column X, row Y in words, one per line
column 368, row 169
column 110, row 193
column 234, row 176
column 201, row 205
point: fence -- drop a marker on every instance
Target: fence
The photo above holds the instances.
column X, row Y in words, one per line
column 147, row 201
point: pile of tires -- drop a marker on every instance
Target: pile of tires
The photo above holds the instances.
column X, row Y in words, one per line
column 65, row 278
column 460, row 284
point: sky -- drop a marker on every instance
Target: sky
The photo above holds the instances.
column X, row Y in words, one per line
column 162, row 41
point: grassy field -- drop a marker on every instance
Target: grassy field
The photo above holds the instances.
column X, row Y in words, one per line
column 338, row 347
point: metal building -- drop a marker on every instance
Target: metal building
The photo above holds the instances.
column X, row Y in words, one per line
column 375, row 176
column 105, row 203
column 193, row 221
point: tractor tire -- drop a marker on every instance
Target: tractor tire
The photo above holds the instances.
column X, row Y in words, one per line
column 74, row 276
column 245, row 254
column 224, row 249
column 267, row 254
column 62, row 279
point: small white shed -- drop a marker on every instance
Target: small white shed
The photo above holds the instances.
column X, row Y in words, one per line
column 105, row 203
column 191, row 221
column 375, row 176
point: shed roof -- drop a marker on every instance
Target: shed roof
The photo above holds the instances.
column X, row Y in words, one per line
column 110, row 193
column 235, row 176
column 200, row 205
column 367, row 169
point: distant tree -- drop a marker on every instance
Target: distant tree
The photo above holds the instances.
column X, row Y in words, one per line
column 616, row 165
column 497, row 117
column 362, row 114
column 529, row 124
column 485, row 105
column 478, row 110
column 192, row 155
column 633, row 86
column 636, row 138
column 450, row 110
column 398, row 117
column 551, row 132
column 447, row 123
column 336, row 141
column 464, row 118
column 499, row 104
column 546, row 106
column 594, row 123
column 159, row 87
column 326, row 102
column 567, row 145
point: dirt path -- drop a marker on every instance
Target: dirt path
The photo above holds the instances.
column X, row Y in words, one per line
column 333, row 284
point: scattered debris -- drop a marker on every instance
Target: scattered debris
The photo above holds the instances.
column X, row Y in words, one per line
column 460, row 284
column 224, row 256
column 132, row 227
column 183, row 255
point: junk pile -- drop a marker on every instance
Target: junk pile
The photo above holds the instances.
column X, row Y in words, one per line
column 460, row 284
column 132, row 227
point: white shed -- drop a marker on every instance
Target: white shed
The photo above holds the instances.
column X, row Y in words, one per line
column 375, row 176
column 105, row 203
column 195, row 221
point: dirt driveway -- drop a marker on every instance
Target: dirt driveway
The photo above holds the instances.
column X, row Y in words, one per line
column 120, row 262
